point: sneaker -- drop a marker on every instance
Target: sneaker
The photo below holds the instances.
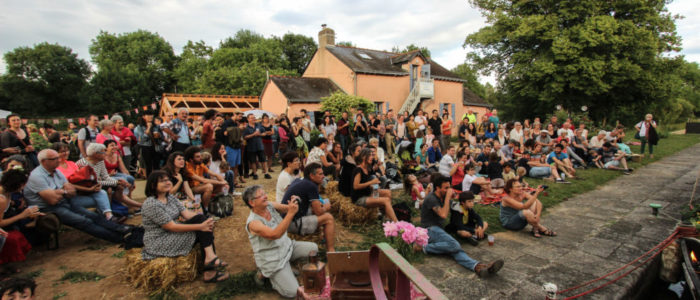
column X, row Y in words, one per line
column 267, row 176
column 561, row 181
column 259, row 279
column 626, row 172
column 236, row 194
column 563, row 176
column 484, row 270
column 472, row 241
column 495, row 266
column 255, row 176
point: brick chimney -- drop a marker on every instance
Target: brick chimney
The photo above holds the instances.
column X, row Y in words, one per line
column 326, row 37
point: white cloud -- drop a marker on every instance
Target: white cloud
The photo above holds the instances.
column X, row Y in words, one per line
column 439, row 25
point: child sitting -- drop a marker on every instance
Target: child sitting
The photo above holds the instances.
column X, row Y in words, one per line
column 413, row 187
column 596, row 159
column 508, row 173
column 429, row 137
column 465, row 222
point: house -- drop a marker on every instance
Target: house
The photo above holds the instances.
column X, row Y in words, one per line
column 398, row 81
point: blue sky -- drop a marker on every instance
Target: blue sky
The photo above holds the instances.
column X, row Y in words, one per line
column 439, row 25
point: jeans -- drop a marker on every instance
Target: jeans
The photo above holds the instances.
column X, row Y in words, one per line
column 228, row 176
column 440, row 242
column 540, row 172
column 87, row 221
column 644, row 142
column 343, row 139
column 97, row 199
column 130, row 179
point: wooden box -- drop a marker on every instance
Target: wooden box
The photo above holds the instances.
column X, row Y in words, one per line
column 349, row 275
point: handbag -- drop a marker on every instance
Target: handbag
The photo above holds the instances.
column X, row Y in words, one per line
column 85, row 177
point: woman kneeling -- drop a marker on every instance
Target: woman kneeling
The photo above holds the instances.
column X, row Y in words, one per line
column 165, row 237
column 515, row 214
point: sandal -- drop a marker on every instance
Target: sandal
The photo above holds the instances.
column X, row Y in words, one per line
column 536, row 233
column 549, row 232
column 217, row 277
column 212, row 265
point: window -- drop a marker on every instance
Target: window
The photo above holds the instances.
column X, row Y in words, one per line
column 364, row 55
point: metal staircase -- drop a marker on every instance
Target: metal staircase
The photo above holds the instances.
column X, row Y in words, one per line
column 412, row 100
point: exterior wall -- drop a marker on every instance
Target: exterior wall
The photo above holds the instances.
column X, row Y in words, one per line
column 380, row 88
column 272, row 99
column 446, row 92
column 325, row 65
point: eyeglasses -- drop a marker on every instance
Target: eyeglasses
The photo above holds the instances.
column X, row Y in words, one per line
column 53, row 158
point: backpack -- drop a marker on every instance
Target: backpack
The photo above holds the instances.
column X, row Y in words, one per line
column 234, row 137
column 221, row 206
column 134, row 239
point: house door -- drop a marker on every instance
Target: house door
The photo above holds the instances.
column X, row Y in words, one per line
column 414, row 75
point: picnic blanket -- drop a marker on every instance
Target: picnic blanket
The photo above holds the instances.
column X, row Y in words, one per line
column 496, row 199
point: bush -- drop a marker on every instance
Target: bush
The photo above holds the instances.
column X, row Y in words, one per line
column 339, row 102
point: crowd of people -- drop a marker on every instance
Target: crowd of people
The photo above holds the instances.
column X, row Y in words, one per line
column 187, row 159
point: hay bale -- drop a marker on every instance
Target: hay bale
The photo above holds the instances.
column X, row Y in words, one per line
column 317, row 237
column 162, row 273
column 344, row 210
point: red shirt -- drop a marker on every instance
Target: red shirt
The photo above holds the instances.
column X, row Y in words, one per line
column 207, row 135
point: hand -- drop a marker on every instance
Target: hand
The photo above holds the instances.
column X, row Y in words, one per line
column 175, row 137
column 449, row 194
column 31, row 212
column 178, row 176
column 207, row 226
column 29, row 148
column 70, row 190
column 123, row 183
column 293, row 206
column 540, row 189
column 96, row 188
column 375, row 181
column 3, row 233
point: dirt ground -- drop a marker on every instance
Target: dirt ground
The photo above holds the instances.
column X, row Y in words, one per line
column 81, row 252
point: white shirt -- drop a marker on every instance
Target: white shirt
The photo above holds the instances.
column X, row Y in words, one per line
column 515, row 135
column 643, row 128
column 420, row 121
column 467, row 182
column 446, row 165
column 283, row 181
column 569, row 133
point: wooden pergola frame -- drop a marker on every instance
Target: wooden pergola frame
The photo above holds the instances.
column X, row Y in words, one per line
column 197, row 104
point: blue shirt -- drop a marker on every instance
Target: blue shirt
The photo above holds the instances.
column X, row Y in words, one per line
column 307, row 191
column 40, row 180
column 553, row 154
column 179, row 127
column 434, row 155
column 255, row 143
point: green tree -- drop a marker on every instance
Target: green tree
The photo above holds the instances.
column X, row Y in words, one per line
column 44, row 80
column 606, row 55
column 191, row 66
column 412, row 47
column 298, row 50
column 345, row 43
column 467, row 73
column 338, row 102
column 133, row 69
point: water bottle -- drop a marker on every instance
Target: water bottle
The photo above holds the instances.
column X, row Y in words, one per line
column 375, row 190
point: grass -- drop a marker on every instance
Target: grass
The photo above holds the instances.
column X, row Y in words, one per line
column 119, row 254
column 238, row 284
column 593, row 178
column 33, row 274
column 59, row 295
column 79, row 276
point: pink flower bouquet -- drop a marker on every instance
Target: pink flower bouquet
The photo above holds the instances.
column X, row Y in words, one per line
column 409, row 234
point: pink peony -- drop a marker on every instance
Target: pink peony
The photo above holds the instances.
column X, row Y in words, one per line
column 409, row 235
column 391, row 229
column 421, row 236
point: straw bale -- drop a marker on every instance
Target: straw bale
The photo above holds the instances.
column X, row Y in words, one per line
column 344, row 210
column 162, row 273
column 316, row 237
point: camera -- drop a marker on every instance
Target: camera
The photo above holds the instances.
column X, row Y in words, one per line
column 544, row 186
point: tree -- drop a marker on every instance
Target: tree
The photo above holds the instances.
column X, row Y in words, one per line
column 412, row 47
column 606, row 55
column 44, row 80
column 298, row 50
column 467, row 73
column 345, row 43
column 191, row 66
column 339, row 102
column 133, row 69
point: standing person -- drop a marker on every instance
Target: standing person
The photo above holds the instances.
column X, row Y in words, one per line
column 401, row 130
column 646, row 132
column 343, row 131
column 308, row 125
column 208, row 129
column 446, row 127
column 144, row 138
column 433, row 212
column 360, row 129
column 165, row 236
column 234, row 143
column 15, row 140
column 435, row 123
column 421, row 121
column 88, row 134
column 272, row 248
column 179, row 131
column 390, row 135
column 126, row 138
column 266, row 138
column 328, row 128
column 411, row 129
column 494, row 117
column 253, row 133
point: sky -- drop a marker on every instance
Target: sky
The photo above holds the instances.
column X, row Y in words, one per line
column 440, row 25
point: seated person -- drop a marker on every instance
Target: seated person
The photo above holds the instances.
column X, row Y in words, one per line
column 516, row 214
column 175, row 168
column 494, row 169
column 17, row 288
column 318, row 155
column 434, row 154
column 380, row 151
column 197, row 172
column 544, row 141
column 482, row 160
column 613, row 159
column 348, row 166
column 106, row 186
column 447, row 162
column 561, row 160
column 52, row 193
column 290, row 172
column 465, row 222
column 474, row 183
column 495, row 189
column 314, row 212
column 13, row 216
column 598, row 140
column 508, row 172
column 415, row 189
column 164, row 236
column 362, row 186
column 434, row 211
column 596, row 159
column 273, row 250
column 219, row 166
column 539, row 168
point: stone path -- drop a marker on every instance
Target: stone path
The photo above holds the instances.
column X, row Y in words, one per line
column 599, row 231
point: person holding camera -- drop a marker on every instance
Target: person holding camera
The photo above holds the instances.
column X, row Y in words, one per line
column 516, row 214
column 272, row 248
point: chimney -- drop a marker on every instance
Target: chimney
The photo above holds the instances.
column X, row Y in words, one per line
column 326, row 37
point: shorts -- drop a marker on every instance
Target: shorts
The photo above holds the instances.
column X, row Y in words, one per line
column 540, row 172
column 612, row 163
column 362, row 201
column 304, row 226
column 515, row 222
column 257, row 156
column 268, row 149
column 233, row 156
